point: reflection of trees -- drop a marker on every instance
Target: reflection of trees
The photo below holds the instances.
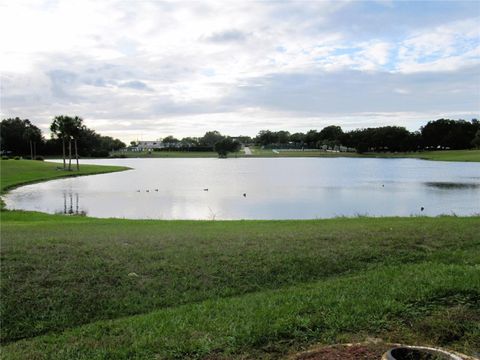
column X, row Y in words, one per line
column 70, row 204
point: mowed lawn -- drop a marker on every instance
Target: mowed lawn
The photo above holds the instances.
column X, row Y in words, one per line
column 81, row 288
column 442, row 155
column 18, row 172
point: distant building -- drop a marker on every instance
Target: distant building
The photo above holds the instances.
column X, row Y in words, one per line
column 150, row 145
column 154, row 144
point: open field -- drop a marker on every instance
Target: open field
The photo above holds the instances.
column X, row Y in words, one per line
column 84, row 288
column 444, row 155
column 450, row 155
column 167, row 154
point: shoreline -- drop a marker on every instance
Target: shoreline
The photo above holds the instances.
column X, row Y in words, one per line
column 471, row 155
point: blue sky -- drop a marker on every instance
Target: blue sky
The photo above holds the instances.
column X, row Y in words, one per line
column 148, row 69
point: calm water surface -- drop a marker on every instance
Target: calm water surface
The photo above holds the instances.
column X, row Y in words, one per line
column 288, row 188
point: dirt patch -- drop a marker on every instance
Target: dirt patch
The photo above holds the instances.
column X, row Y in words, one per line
column 346, row 352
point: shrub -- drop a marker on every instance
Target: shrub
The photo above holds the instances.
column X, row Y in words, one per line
column 4, row 157
column 17, row 157
column 100, row 153
column 226, row 145
column 39, row 158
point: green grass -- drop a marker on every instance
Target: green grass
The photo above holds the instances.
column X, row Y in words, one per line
column 450, row 155
column 168, row 154
column 67, row 271
column 20, row 172
column 444, row 155
column 257, row 324
column 258, row 152
column 85, row 288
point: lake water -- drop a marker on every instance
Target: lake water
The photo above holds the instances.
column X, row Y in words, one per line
column 255, row 188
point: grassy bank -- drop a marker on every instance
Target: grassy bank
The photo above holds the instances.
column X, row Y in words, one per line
column 444, row 155
column 83, row 288
column 449, row 155
column 167, row 154
column 265, row 324
column 64, row 272
column 21, row 172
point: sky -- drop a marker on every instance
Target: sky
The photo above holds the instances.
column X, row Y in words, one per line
column 142, row 70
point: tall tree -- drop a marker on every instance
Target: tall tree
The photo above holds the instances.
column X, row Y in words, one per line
column 476, row 140
column 58, row 130
column 67, row 128
column 226, row 145
column 446, row 133
column 211, row 138
column 19, row 137
column 31, row 136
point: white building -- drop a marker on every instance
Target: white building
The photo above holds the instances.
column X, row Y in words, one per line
column 150, row 145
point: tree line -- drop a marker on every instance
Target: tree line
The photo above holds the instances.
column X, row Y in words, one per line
column 438, row 134
column 204, row 143
column 69, row 135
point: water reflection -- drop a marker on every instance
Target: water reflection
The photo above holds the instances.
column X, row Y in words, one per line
column 452, row 185
column 71, row 204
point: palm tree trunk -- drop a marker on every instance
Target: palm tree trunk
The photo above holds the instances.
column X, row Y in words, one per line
column 69, row 154
column 63, row 147
column 76, row 155
column 31, row 150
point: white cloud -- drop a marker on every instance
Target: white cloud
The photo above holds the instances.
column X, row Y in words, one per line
column 133, row 67
column 377, row 52
column 447, row 47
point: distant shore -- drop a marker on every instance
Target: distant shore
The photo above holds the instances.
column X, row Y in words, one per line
column 441, row 155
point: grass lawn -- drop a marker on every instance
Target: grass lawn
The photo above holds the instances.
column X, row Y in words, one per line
column 83, row 288
column 20, row 172
column 443, row 155
column 450, row 155
column 168, row 154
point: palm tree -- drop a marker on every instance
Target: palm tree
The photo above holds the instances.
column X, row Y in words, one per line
column 32, row 134
column 75, row 131
column 28, row 136
column 58, row 129
column 67, row 128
